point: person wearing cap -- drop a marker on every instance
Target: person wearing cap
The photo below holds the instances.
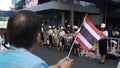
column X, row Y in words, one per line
column 50, row 32
column 69, row 27
column 61, row 34
column 103, row 44
column 24, row 35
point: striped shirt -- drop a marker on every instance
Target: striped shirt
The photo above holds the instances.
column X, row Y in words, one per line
column 20, row 58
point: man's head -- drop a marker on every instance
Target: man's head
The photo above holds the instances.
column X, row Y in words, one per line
column 23, row 29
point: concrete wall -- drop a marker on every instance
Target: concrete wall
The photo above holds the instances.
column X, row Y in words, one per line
column 87, row 9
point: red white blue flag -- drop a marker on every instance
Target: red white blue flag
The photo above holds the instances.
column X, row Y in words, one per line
column 88, row 34
column 31, row 3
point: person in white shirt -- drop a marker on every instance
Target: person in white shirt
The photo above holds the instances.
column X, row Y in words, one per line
column 24, row 35
column 50, row 32
column 61, row 39
column 103, row 44
column 62, row 32
column 3, row 38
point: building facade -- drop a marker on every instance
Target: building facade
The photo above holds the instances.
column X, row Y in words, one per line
column 72, row 12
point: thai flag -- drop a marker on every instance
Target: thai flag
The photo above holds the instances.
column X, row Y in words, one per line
column 87, row 34
column 31, row 3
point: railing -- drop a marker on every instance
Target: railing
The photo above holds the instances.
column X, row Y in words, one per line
column 113, row 45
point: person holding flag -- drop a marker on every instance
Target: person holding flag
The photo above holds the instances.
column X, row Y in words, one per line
column 23, row 36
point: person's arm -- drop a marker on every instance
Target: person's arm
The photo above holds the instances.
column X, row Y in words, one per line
column 63, row 63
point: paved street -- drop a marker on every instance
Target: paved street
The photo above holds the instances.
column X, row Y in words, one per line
column 51, row 56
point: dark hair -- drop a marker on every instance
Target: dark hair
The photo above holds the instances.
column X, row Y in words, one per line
column 23, row 28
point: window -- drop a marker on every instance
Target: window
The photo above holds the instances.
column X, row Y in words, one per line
column 84, row 3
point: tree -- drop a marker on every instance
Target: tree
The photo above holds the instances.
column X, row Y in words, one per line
column 4, row 18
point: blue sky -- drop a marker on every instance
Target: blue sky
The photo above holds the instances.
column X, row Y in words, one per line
column 5, row 4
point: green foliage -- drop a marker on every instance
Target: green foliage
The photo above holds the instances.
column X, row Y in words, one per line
column 4, row 18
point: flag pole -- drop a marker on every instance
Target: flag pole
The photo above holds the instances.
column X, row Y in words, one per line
column 72, row 46
column 74, row 40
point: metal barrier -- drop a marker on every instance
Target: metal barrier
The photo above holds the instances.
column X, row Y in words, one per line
column 113, row 43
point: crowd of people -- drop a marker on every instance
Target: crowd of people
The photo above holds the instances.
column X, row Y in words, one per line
column 25, row 31
column 106, row 48
column 60, row 37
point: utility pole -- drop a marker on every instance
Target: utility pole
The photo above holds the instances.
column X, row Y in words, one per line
column 105, row 13
column 72, row 12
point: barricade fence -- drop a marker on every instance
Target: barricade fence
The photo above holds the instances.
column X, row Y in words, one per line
column 113, row 45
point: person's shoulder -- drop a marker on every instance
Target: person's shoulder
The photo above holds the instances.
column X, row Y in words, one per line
column 22, row 54
column 28, row 55
column 36, row 61
column 23, row 58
